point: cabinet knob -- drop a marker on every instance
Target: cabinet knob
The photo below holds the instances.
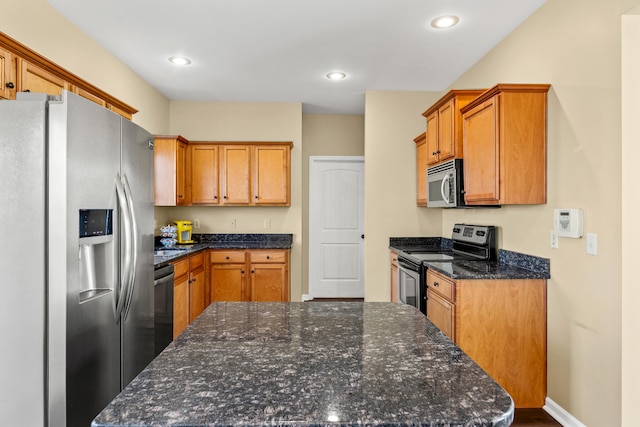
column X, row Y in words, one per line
column 227, row 257
column 253, row 271
column 179, row 196
column 10, row 85
column 224, row 197
column 215, row 197
column 242, row 271
column 256, row 197
column 436, row 284
column 268, row 257
column 433, row 153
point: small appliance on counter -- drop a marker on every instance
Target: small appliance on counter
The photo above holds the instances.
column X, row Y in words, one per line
column 185, row 228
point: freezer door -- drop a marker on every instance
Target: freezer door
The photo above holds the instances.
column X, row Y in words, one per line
column 22, row 227
column 84, row 164
column 138, row 314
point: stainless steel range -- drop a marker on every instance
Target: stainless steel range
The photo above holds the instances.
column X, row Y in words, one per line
column 470, row 242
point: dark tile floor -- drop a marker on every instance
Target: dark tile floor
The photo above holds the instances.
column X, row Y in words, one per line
column 525, row 417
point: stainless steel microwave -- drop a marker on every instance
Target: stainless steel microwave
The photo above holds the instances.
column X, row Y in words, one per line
column 445, row 188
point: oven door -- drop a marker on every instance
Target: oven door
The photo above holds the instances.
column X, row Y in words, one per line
column 409, row 284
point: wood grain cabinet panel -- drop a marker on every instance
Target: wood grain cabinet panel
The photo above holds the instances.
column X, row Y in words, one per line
column 421, row 169
column 271, row 175
column 36, row 79
column 89, row 95
column 235, row 171
column 8, row 83
column 170, row 181
column 252, row 275
column 444, row 126
column 505, row 146
column 501, row 325
column 180, row 296
column 394, row 277
column 203, row 161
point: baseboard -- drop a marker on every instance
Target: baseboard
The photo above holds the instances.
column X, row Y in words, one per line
column 560, row 414
column 306, row 297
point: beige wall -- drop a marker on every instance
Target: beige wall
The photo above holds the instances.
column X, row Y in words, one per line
column 233, row 121
column 40, row 27
column 325, row 135
column 630, row 224
column 392, row 120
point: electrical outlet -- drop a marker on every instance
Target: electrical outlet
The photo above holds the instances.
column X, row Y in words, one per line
column 592, row 243
column 267, row 223
column 233, row 223
column 196, row 223
column 554, row 239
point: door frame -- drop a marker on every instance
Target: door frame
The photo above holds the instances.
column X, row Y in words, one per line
column 312, row 159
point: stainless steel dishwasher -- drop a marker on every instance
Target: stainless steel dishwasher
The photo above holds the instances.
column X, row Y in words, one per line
column 163, row 312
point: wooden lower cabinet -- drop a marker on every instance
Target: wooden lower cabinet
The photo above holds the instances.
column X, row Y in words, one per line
column 501, row 325
column 268, row 272
column 395, row 297
column 189, row 288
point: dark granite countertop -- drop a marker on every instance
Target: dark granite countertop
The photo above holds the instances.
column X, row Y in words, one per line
column 510, row 265
column 311, row 364
column 224, row 241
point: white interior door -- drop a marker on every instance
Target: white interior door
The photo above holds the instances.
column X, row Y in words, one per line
column 336, row 227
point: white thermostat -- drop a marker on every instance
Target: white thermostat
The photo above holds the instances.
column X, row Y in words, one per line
column 568, row 222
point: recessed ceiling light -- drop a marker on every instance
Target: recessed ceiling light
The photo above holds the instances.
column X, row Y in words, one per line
column 179, row 60
column 445, row 21
column 336, row 75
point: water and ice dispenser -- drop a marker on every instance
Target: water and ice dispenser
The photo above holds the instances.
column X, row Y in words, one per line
column 96, row 254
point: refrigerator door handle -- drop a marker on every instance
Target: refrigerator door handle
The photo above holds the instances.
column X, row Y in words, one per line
column 133, row 246
column 126, row 264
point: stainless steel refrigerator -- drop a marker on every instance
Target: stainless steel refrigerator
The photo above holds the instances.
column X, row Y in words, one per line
column 76, row 218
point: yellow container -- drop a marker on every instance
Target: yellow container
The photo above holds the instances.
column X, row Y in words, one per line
column 185, row 228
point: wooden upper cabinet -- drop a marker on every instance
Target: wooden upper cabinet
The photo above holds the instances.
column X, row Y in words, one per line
column 444, row 125
column 8, row 82
column 170, row 157
column 90, row 96
column 421, row 169
column 203, row 160
column 23, row 70
column 271, row 175
column 235, row 170
column 505, row 146
column 36, row 79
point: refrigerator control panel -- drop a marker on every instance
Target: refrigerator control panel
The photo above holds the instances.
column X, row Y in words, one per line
column 96, row 222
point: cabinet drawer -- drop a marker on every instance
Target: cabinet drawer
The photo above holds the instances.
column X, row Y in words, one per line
column 196, row 261
column 266, row 256
column 441, row 313
column 231, row 257
column 180, row 268
column 441, row 285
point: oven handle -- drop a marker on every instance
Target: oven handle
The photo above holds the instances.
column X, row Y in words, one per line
column 408, row 266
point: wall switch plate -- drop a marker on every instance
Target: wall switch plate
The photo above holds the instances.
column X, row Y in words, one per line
column 196, row 223
column 233, row 223
column 554, row 239
column 267, row 223
column 592, row 243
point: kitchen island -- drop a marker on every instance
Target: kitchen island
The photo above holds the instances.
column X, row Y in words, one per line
column 311, row 364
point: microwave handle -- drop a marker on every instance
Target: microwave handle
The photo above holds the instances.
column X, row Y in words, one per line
column 445, row 181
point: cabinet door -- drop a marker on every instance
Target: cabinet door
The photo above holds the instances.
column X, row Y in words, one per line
column 440, row 313
column 181, row 172
column 7, row 75
column 432, row 138
column 481, row 153
column 180, row 304
column 204, row 174
column 235, row 169
column 421, row 170
column 227, row 282
column 35, row 79
column 269, row 283
column 446, row 135
column 196, row 294
column 271, row 175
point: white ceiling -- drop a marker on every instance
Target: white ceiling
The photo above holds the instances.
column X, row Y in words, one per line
column 281, row 50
